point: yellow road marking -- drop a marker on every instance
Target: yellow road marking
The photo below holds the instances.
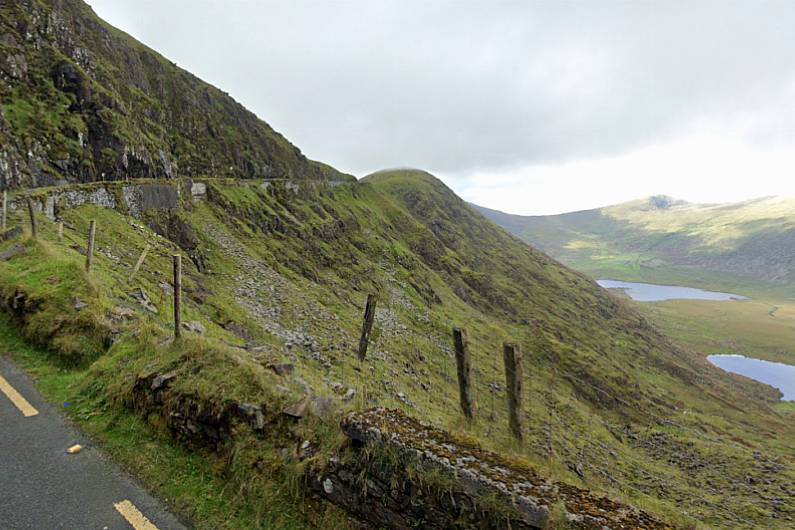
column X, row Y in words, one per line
column 17, row 399
column 133, row 516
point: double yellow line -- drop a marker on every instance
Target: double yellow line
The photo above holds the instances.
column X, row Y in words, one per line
column 16, row 398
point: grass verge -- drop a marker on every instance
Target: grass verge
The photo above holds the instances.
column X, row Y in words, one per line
column 199, row 486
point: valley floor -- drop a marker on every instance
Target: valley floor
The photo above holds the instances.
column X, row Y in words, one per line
column 762, row 327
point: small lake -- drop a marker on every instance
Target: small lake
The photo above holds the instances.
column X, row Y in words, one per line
column 649, row 292
column 779, row 375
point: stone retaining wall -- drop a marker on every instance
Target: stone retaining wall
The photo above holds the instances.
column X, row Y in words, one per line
column 384, row 480
column 134, row 199
column 398, row 473
column 137, row 198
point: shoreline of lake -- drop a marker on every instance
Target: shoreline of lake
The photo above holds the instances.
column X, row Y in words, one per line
column 649, row 292
column 777, row 375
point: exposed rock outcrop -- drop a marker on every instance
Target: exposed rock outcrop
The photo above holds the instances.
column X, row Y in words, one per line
column 83, row 102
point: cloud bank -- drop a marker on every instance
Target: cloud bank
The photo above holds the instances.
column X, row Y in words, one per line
column 489, row 92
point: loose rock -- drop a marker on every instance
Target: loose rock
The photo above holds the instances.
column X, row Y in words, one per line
column 297, row 410
column 282, row 368
column 11, row 251
column 143, row 299
column 194, row 327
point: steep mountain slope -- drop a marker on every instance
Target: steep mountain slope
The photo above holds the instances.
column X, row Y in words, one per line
column 751, row 242
column 278, row 274
column 82, row 101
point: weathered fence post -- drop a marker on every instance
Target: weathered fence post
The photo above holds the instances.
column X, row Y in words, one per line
column 464, row 369
column 367, row 326
column 177, row 294
column 60, row 231
column 138, row 263
column 32, row 213
column 513, row 380
column 92, row 232
column 5, row 210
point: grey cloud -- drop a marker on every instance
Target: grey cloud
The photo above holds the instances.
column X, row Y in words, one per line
column 464, row 86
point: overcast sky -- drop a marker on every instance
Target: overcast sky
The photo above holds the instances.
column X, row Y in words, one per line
column 528, row 107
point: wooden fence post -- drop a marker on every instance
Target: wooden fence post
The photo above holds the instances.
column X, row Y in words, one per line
column 464, row 370
column 367, row 326
column 513, row 380
column 5, row 210
column 32, row 213
column 60, row 231
column 138, row 263
column 177, row 294
column 92, row 232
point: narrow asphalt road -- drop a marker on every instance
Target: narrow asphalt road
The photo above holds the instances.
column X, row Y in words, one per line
column 44, row 487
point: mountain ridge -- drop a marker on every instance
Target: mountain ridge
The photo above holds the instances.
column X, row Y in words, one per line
column 276, row 276
column 734, row 243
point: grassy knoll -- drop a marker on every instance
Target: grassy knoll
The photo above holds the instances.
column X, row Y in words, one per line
column 191, row 481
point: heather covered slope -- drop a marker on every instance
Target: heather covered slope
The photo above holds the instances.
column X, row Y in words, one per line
column 278, row 273
column 82, row 101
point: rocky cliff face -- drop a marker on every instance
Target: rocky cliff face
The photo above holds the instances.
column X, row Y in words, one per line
column 81, row 101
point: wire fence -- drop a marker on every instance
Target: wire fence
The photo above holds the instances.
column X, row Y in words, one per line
column 568, row 377
column 574, row 380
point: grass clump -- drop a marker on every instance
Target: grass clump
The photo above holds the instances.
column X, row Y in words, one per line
column 558, row 518
column 54, row 302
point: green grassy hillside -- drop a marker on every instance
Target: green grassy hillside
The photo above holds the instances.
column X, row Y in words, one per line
column 278, row 265
column 280, row 275
column 82, row 101
column 749, row 244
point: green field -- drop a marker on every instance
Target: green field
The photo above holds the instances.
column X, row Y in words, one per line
column 763, row 328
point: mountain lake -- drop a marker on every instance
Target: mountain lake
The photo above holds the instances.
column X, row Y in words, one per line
column 648, row 292
column 779, row 375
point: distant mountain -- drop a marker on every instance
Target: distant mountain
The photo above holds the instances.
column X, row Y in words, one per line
column 82, row 101
column 660, row 237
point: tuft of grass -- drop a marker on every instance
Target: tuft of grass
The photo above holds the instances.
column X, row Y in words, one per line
column 558, row 518
column 44, row 289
